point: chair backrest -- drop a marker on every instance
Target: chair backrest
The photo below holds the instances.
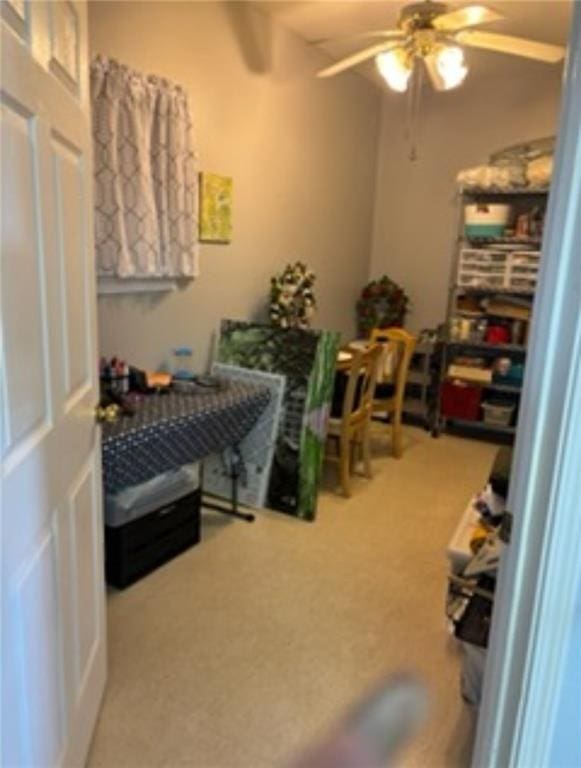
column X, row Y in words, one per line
column 362, row 377
column 402, row 344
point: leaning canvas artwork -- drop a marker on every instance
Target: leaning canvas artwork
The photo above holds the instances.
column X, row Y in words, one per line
column 307, row 359
column 215, row 208
column 256, row 449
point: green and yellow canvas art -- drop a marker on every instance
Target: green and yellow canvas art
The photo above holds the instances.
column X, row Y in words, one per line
column 215, row 208
column 307, row 359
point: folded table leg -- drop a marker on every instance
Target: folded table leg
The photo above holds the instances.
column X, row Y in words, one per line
column 233, row 509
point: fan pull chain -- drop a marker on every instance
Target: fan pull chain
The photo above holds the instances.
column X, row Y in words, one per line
column 413, row 109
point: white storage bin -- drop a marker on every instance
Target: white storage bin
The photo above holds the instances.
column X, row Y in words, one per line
column 498, row 414
column 486, row 219
column 458, row 551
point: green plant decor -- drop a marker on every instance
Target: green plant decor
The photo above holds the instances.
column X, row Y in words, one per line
column 382, row 304
column 292, row 301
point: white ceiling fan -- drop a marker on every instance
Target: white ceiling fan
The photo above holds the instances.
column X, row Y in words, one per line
column 431, row 33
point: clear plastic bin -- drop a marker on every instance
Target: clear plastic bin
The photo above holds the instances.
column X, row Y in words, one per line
column 530, row 258
column 481, row 280
column 525, row 284
column 482, row 268
column 498, row 414
column 137, row 501
column 482, row 256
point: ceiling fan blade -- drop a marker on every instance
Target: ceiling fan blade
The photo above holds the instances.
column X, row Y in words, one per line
column 469, row 16
column 516, row 46
column 435, row 77
column 356, row 58
column 387, row 34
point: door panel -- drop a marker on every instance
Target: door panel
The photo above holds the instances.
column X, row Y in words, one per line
column 53, row 617
column 40, row 662
column 86, row 554
column 26, row 353
column 68, row 199
column 15, row 14
column 64, row 38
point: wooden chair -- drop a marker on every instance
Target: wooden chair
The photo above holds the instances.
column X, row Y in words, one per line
column 351, row 431
column 389, row 397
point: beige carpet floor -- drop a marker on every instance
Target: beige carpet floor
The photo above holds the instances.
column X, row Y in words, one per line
column 246, row 647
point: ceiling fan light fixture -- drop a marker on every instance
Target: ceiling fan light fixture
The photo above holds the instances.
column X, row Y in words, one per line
column 451, row 66
column 395, row 69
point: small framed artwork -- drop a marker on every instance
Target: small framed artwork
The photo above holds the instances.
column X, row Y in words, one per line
column 215, row 208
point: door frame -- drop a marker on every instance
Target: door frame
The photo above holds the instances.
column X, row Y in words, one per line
column 540, row 578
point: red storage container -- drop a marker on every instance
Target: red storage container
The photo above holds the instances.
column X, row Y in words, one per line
column 460, row 400
column 498, row 334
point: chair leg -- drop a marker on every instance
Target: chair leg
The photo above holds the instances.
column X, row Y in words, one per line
column 366, row 449
column 396, row 436
column 353, row 455
column 344, row 461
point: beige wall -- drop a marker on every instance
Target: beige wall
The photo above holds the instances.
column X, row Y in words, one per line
column 302, row 153
column 416, row 208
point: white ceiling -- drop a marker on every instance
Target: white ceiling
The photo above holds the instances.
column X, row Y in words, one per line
column 544, row 20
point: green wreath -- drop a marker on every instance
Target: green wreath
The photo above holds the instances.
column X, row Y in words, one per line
column 292, row 301
column 382, row 304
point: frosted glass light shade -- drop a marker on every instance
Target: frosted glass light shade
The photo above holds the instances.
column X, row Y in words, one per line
column 394, row 68
column 451, row 66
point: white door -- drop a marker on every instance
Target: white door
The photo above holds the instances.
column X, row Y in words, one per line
column 53, row 617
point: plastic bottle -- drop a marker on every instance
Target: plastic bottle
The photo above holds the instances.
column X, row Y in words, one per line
column 183, row 367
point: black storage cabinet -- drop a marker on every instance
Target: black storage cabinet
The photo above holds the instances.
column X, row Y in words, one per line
column 142, row 545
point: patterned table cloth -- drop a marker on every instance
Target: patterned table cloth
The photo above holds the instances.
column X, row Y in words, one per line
column 170, row 430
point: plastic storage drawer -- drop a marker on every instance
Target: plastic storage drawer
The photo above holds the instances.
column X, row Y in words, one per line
column 138, row 547
column 482, row 269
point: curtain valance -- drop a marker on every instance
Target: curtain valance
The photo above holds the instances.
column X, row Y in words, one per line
column 146, row 195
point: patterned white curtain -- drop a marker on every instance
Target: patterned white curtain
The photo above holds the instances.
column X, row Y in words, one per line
column 146, row 182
